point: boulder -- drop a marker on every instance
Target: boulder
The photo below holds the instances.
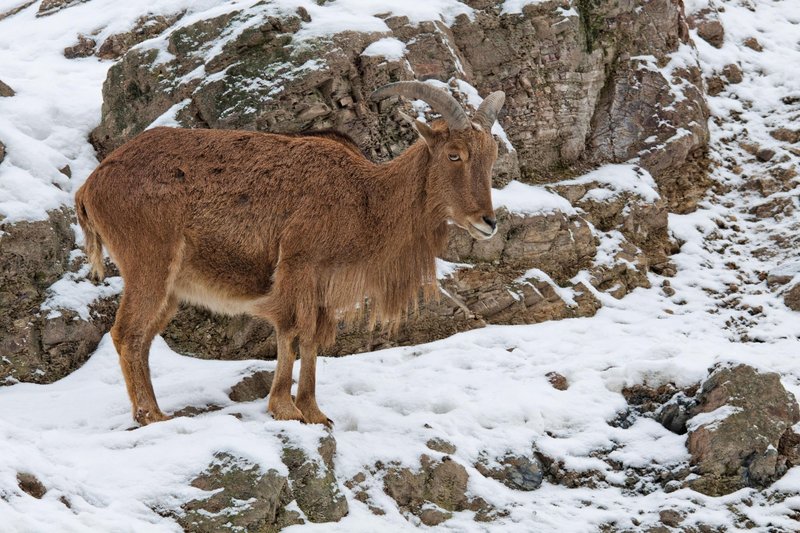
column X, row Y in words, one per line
column 48, row 7
column 240, row 497
column 514, row 471
column 433, row 492
column 313, row 482
column 736, row 429
column 83, row 48
column 146, row 27
column 5, row 90
column 792, row 297
column 41, row 346
column 253, row 387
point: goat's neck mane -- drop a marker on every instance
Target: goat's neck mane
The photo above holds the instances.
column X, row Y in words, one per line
column 415, row 237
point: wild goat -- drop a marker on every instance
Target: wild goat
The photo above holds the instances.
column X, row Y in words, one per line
column 298, row 230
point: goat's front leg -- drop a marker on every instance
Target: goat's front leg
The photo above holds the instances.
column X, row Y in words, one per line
column 306, row 389
column 280, row 397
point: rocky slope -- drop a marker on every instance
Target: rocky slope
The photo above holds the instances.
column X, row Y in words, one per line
column 576, row 76
column 673, row 408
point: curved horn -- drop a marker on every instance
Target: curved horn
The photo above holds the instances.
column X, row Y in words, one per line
column 441, row 102
column 487, row 112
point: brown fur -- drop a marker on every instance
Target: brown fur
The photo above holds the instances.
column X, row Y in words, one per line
column 298, row 230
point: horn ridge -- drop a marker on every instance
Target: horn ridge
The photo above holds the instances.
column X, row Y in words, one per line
column 489, row 108
column 441, row 101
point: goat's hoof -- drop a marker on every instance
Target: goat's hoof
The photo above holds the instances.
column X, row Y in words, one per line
column 288, row 412
column 315, row 416
column 148, row 416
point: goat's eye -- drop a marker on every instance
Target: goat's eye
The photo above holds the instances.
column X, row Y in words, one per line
column 454, row 157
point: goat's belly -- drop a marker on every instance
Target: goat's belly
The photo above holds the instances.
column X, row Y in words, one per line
column 214, row 298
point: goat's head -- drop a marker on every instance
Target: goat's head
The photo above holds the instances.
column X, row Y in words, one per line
column 462, row 152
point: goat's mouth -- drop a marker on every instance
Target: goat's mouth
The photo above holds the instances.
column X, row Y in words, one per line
column 481, row 231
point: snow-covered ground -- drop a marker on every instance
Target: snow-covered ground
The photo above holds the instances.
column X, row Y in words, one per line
column 485, row 391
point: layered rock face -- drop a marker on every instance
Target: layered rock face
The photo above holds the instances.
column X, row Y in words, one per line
column 595, row 83
column 587, row 84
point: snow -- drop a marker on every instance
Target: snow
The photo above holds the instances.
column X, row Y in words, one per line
column 511, row 7
column 615, row 180
column 389, row 47
column 485, row 390
column 712, row 419
column 73, row 291
column 522, row 198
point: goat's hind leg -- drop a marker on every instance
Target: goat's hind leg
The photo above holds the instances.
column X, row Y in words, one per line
column 147, row 305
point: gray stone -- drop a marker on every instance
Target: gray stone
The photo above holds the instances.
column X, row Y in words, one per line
column 83, row 48
column 241, row 497
column 313, row 482
column 441, row 445
column 253, row 387
column 515, row 471
column 792, row 298
column 739, row 446
column 443, row 484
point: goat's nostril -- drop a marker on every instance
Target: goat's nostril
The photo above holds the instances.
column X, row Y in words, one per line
column 491, row 221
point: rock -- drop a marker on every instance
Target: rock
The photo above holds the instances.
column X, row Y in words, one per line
column 66, row 170
column 670, row 517
column 31, row 485
column 667, row 289
column 83, row 48
column 443, row 484
column 147, row 27
column 774, row 207
column 253, row 387
column 786, row 135
column 431, row 516
column 753, row 44
column 313, row 482
column 641, row 220
column 48, row 7
column 712, row 32
column 2, row 152
column 16, row 9
column 732, row 73
column 241, row 497
column 646, row 398
column 674, row 414
column 558, row 381
column 714, row 85
column 515, row 472
column 736, row 428
column 5, row 90
column 39, row 346
column 765, row 154
column 441, row 445
column 791, row 298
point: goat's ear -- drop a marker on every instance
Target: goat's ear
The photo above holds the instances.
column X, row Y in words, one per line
column 421, row 128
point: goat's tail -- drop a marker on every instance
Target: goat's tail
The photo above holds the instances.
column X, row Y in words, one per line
column 92, row 243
